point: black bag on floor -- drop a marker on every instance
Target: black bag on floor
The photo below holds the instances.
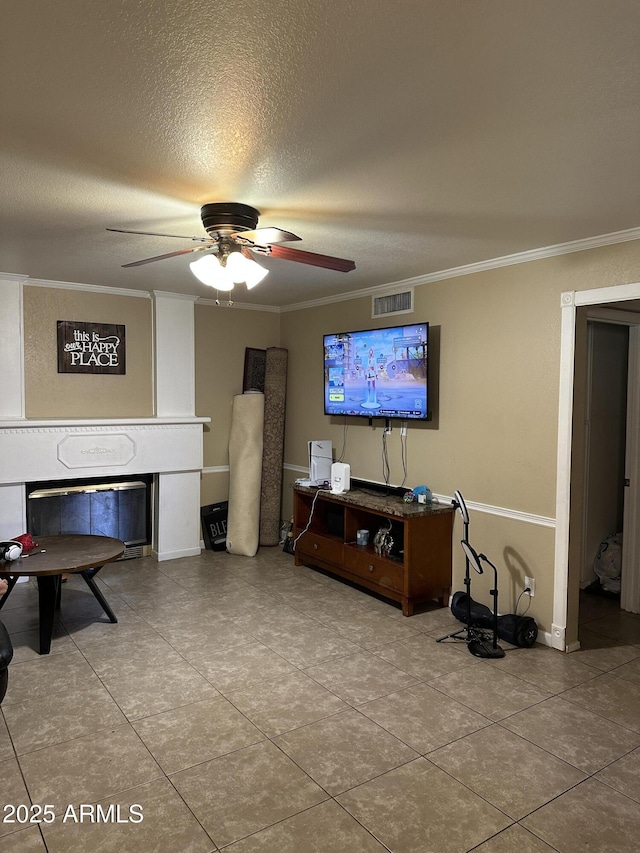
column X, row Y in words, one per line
column 518, row 630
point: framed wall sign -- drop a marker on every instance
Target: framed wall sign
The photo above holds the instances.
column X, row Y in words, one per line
column 91, row 347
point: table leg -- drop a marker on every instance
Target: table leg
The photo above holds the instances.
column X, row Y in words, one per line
column 88, row 576
column 48, row 586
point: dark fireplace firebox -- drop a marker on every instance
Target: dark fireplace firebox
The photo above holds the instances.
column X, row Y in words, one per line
column 119, row 507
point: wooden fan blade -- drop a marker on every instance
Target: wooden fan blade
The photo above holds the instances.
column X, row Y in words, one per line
column 168, row 255
column 315, row 260
column 265, row 236
column 156, row 234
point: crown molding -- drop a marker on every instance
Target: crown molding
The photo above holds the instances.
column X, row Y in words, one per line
column 93, row 288
column 121, row 291
column 481, row 266
column 9, row 276
column 247, row 306
column 169, row 294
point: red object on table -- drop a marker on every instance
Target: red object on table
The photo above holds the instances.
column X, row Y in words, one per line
column 26, row 540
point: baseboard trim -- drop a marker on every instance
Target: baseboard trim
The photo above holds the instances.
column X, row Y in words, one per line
column 161, row 556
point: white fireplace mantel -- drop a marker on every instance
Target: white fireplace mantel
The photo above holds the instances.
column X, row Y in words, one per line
column 169, row 445
column 36, row 450
column 171, row 448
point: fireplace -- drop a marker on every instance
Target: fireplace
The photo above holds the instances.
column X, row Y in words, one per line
column 119, row 507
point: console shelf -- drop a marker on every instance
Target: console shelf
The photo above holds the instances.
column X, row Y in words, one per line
column 416, row 569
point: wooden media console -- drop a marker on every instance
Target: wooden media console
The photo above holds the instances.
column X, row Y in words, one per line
column 416, row 568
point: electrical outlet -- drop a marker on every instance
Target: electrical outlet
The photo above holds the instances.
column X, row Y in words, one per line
column 403, row 429
column 531, row 584
column 387, row 430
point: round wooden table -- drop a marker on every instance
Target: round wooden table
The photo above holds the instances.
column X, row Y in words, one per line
column 55, row 556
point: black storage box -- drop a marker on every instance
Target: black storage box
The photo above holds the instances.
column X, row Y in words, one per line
column 334, row 519
column 214, row 525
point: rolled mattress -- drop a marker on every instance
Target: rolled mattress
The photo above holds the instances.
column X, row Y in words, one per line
column 245, row 473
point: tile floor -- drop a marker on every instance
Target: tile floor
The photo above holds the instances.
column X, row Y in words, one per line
column 249, row 705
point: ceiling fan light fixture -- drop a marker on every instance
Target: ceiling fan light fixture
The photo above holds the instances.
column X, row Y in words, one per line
column 208, row 270
column 255, row 275
column 231, row 235
column 243, row 269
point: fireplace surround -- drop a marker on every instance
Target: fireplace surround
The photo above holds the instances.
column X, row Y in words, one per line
column 167, row 446
column 167, row 449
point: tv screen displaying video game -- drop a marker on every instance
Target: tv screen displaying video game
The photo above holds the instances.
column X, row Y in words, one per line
column 378, row 373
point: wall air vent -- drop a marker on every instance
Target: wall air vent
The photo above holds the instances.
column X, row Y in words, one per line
column 400, row 302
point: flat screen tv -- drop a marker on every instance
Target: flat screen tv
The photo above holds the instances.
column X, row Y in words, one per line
column 378, row 373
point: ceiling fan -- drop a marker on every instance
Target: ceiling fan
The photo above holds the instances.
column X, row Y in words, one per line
column 231, row 238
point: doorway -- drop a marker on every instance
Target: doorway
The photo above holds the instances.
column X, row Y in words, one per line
column 571, row 459
column 605, row 433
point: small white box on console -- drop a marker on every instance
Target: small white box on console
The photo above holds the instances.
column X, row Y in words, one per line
column 340, row 478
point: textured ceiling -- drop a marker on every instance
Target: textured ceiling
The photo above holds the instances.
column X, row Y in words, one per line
column 410, row 137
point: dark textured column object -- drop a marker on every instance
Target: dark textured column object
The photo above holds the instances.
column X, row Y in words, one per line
column 275, row 393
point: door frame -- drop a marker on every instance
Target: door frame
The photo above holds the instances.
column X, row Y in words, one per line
column 630, row 587
column 570, row 301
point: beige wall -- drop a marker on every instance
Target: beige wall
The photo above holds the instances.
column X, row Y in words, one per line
column 222, row 334
column 498, row 393
column 49, row 394
column 497, row 336
column 495, row 435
